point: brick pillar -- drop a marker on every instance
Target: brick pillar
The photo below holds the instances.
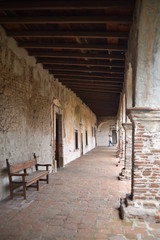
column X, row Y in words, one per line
column 126, row 171
column 121, row 144
column 144, row 201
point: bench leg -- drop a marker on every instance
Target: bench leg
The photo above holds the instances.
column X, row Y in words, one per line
column 37, row 185
column 47, row 179
column 24, row 190
column 11, row 191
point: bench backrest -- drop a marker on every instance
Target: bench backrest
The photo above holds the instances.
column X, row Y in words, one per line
column 17, row 167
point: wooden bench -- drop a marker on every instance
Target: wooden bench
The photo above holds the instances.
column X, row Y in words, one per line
column 25, row 179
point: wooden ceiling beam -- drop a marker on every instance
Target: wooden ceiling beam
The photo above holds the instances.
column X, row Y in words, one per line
column 101, row 108
column 90, row 79
column 69, row 55
column 66, row 20
column 106, row 76
column 93, row 79
column 93, row 101
column 100, row 95
column 91, row 86
column 95, row 90
column 103, row 96
column 111, row 102
column 89, row 70
column 76, row 62
column 102, row 100
column 104, row 70
column 104, row 111
column 94, row 83
column 67, row 34
column 68, row 5
column 94, row 86
column 47, row 45
column 102, row 104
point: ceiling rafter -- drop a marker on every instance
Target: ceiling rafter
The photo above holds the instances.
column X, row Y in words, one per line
column 74, row 78
column 94, row 85
column 104, row 70
column 72, row 62
column 49, row 54
column 101, row 96
column 68, row 34
column 96, row 90
column 48, row 45
column 93, row 82
column 52, row 5
column 106, row 76
column 65, row 20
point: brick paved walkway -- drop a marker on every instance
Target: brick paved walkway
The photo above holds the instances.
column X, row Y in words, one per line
column 81, row 202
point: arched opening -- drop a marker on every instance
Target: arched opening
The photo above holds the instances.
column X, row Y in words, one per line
column 106, row 128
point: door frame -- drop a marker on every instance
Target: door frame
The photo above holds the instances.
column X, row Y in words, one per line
column 56, row 109
column 81, row 143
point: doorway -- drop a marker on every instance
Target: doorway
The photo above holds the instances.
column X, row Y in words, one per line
column 58, row 141
column 114, row 137
column 81, row 143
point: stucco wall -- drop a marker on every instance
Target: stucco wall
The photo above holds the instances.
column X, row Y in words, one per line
column 148, row 60
column 27, row 92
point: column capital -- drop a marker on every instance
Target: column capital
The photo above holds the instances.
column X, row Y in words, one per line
column 127, row 126
column 143, row 114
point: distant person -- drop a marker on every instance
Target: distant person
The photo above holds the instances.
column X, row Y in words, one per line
column 110, row 141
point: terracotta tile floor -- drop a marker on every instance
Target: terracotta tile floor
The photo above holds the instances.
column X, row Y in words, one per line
column 81, row 202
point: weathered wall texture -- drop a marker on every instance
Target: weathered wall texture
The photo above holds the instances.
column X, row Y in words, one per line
column 77, row 117
column 143, row 54
column 27, row 92
column 105, row 127
column 148, row 60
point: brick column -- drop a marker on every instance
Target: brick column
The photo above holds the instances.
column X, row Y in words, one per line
column 121, row 144
column 144, row 202
column 126, row 171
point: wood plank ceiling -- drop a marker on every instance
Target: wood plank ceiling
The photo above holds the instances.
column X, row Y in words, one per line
column 82, row 43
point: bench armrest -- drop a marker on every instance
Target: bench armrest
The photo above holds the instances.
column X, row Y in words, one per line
column 23, row 175
column 43, row 165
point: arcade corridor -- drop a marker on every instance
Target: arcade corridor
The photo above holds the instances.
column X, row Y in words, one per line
column 81, row 202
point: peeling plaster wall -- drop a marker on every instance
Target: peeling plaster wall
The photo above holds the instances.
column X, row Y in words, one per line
column 105, row 127
column 131, row 55
column 148, row 71
column 143, row 54
column 27, row 92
